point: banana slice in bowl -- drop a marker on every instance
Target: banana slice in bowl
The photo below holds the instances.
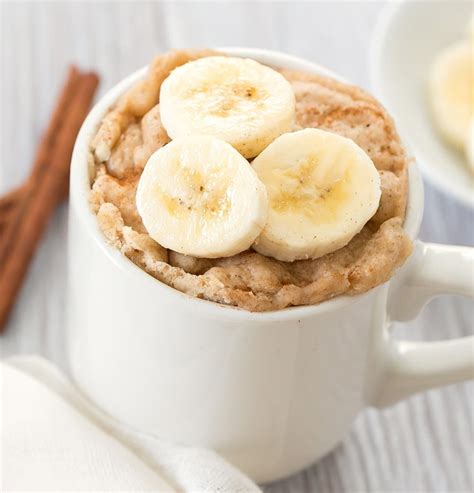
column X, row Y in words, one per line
column 451, row 87
column 322, row 189
column 238, row 100
column 198, row 196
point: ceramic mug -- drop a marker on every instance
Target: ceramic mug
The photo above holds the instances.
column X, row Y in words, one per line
column 272, row 392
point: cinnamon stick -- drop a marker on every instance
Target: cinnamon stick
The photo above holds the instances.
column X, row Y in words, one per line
column 11, row 204
column 7, row 208
column 45, row 188
column 5, row 219
column 8, row 201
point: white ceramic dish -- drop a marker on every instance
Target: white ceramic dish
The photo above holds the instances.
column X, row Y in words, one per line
column 408, row 37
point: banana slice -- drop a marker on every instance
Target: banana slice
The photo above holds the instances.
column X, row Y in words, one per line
column 322, row 188
column 198, row 196
column 451, row 87
column 235, row 99
column 469, row 146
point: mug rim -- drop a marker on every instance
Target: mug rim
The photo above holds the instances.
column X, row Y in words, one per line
column 80, row 186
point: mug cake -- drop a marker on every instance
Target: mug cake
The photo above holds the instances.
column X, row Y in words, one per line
column 249, row 185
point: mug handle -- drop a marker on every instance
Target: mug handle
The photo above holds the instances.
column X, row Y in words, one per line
column 411, row 367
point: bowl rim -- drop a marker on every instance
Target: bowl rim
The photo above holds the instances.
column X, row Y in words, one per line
column 80, row 182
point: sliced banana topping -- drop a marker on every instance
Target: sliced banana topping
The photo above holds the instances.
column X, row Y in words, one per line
column 198, row 196
column 322, row 188
column 451, row 87
column 237, row 100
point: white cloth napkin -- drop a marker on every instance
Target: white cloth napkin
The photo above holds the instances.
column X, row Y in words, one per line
column 54, row 439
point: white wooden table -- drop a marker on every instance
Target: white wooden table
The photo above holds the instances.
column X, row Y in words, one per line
column 423, row 444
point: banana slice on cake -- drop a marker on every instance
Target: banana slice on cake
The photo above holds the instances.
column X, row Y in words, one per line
column 322, row 188
column 198, row 196
column 451, row 86
column 237, row 100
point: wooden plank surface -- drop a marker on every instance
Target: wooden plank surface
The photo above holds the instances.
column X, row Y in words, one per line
column 424, row 444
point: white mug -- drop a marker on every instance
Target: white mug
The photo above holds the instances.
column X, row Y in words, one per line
column 272, row 392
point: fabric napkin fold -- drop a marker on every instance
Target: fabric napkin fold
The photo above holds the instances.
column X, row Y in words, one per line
column 54, row 439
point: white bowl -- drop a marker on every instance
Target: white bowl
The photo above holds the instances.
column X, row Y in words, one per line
column 407, row 38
